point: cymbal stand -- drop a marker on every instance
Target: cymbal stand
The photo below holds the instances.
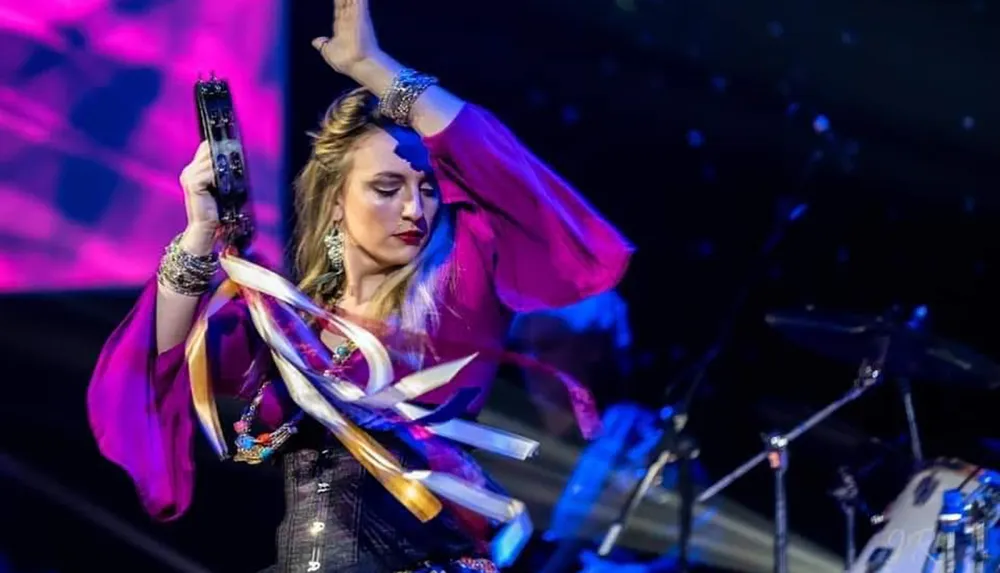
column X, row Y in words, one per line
column 916, row 322
column 848, row 496
column 911, row 422
column 777, row 457
column 775, row 452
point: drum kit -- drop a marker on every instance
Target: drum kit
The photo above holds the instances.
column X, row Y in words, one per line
column 947, row 518
column 943, row 519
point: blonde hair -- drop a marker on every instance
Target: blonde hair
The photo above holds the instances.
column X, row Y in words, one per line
column 408, row 298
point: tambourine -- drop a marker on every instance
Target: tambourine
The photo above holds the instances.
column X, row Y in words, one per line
column 217, row 119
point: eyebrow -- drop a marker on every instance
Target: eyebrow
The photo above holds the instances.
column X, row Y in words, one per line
column 397, row 176
column 388, row 175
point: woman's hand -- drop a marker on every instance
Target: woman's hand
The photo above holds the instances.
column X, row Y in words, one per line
column 353, row 51
column 353, row 44
column 202, row 213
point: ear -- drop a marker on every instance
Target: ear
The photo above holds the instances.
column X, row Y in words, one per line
column 338, row 209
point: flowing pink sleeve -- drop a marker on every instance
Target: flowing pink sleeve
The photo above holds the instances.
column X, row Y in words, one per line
column 549, row 248
column 139, row 403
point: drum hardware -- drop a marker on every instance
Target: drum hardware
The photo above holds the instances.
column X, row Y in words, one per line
column 848, row 496
column 964, row 524
column 686, row 447
column 950, row 523
column 777, row 458
column 775, row 453
column 673, row 446
column 687, row 451
column 977, row 529
column 911, row 422
column 916, row 322
column 916, row 355
column 944, row 520
column 874, row 519
column 677, row 445
column 981, row 513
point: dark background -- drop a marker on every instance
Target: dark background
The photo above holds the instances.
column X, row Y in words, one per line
column 690, row 125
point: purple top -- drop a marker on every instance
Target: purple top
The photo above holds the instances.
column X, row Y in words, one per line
column 524, row 241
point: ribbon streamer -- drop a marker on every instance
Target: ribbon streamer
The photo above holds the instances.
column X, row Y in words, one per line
column 195, row 352
column 322, row 395
column 254, row 277
column 582, row 402
column 268, row 282
column 377, row 460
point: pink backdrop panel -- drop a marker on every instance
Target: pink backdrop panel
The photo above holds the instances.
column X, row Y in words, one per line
column 97, row 120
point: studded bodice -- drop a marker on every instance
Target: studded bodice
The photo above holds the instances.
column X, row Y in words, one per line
column 339, row 518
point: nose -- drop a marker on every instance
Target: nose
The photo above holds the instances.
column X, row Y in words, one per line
column 413, row 208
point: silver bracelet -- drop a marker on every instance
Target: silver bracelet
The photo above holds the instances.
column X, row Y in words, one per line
column 184, row 273
column 397, row 101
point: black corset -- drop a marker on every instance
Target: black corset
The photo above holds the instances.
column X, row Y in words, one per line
column 338, row 518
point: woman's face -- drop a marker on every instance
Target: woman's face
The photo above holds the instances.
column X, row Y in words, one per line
column 390, row 198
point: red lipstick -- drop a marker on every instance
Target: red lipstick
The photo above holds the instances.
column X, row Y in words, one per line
column 411, row 238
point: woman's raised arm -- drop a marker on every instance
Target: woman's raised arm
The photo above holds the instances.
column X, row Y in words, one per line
column 547, row 247
column 177, row 298
column 353, row 51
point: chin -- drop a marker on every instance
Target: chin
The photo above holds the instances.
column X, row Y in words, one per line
column 402, row 256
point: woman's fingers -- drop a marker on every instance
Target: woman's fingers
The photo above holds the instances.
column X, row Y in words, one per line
column 318, row 43
column 203, row 162
column 201, row 176
column 204, row 151
column 342, row 15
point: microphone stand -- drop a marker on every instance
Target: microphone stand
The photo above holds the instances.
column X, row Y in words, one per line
column 676, row 443
column 776, row 454
column 777, row 457
column 671, row 424
column 686, row 452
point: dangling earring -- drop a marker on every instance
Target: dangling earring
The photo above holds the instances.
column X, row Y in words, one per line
column 334, row 242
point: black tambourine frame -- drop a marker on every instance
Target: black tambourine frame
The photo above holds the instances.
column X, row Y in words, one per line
column 217, row 120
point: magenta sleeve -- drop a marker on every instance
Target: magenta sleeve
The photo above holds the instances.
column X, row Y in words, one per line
column 550, row 248
column 139, row 403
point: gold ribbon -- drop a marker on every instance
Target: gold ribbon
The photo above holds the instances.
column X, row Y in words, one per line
column 311, row 391
column 377, row 460
column 196, row 354
column 254, row 277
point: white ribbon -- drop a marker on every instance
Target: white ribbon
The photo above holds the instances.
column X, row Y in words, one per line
column 312, row 391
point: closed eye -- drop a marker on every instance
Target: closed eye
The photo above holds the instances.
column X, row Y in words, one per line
column 387, row 182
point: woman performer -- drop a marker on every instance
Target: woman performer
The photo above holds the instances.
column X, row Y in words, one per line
column 415, row 209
